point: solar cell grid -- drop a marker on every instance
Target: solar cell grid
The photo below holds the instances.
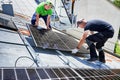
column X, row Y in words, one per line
column 49, row 39
column 57, row 74
column 86, row 72
column 21, row 74
column 97, row 74
column 42, row 73
column 4, row 23
column 8, row 74
column 116, row 77
column 65, row 72
column 105, row 72
column 81, row 73
column 52, row 39
column 68, row 40
column 32, row 74
column 51, row 73
column 72, row 72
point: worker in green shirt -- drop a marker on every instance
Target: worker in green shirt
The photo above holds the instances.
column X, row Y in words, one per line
column 44, row 10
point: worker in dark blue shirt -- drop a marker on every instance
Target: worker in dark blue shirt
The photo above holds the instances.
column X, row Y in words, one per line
column 103, row 30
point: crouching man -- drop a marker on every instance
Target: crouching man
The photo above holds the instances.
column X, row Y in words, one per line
column 104, row 32
column 44, row 11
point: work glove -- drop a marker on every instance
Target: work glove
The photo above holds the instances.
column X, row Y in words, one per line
column 39, row 27
column 74, row 51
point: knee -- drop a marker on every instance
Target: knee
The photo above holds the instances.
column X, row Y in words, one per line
column 89, row 42
column 99, row 50
column 99, row 45
column 33, row 22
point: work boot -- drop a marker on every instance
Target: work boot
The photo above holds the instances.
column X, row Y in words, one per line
column 92, row 59
column 101, row 56
column 102, row 60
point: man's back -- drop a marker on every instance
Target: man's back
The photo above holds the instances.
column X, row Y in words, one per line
column 98, row 25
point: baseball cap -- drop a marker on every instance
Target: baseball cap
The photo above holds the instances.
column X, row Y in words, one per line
column 49, row 3
column 79, row 22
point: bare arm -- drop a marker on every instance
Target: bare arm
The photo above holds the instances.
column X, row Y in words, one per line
column 82, row 40
column 48, row 21
column 91, row 32
column 37, row 20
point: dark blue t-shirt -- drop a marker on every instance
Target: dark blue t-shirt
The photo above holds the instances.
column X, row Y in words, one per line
column 100, row 26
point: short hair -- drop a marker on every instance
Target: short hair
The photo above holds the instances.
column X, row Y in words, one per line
column 79, row 22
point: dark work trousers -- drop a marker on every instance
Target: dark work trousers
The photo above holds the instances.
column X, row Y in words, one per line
column 33, row 20
column 100, row 40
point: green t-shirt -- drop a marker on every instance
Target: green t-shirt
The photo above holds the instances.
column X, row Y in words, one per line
column 41, row 10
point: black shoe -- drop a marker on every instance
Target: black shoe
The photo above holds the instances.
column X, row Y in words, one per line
column 103, row 61
column 92, row 59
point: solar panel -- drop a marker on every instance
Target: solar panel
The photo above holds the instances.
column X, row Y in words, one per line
column 117, row 71
column 97, row 74
column 21, row 74
column 51, row 73
column 8, row 74
column 32, row 74
column 52, row 39
column 42, row 74
column 7, row 23
column 58, row 74
column 65, row 72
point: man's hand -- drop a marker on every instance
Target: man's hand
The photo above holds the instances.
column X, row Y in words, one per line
column 48, row 22
column 36, row 23
column 39, row 28
column 37, row 20
column 74, row 51
column 48, row 28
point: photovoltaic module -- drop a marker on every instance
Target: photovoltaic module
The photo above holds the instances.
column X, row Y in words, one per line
column 58, row 74
column 5, row 22
column 51, row 39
